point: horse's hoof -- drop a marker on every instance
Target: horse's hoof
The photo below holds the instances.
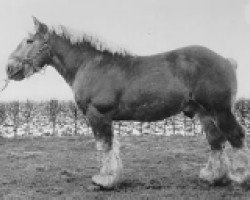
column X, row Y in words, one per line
column 105, row 181
column 94, row 187
column 246, row 183
column 210, row 177
column 206, row 175
column 242, row 178
column 223, row 181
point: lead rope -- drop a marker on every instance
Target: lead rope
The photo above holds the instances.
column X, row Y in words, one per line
column 7, row 81
column 5, row 84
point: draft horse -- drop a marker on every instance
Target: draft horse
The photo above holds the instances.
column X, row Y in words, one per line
column 113, row 85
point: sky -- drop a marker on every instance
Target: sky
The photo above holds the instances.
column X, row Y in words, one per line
column 143, row 27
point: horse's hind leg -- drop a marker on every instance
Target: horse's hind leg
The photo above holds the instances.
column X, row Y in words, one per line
column 235, row 134
column 216, row 170
column 108, row 150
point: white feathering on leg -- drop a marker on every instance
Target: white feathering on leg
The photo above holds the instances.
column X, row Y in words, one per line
column 111, row 170
column 216, row 168
column 240, row 169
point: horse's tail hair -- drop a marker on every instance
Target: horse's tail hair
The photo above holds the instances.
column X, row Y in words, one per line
column 233, row 63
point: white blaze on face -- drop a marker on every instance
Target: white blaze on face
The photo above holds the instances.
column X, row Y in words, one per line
column 247, row 13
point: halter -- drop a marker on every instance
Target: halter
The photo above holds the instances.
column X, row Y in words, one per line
column 45, row 49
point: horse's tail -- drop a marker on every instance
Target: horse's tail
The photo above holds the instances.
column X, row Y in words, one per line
column 233, row 63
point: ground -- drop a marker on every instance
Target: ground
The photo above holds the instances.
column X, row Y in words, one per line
column 156, row 167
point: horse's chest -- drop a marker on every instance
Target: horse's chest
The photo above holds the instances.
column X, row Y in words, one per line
column 82, row 101
column 81, row 96
column 100, row 95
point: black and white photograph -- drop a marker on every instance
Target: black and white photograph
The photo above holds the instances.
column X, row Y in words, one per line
column 124, row 99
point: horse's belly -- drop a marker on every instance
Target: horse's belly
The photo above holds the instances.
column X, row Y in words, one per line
column 149, row 110
column 146, row 115
column 152, row 98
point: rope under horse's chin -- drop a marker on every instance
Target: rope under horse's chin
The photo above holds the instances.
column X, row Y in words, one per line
column 36, row 70
column 7, row 81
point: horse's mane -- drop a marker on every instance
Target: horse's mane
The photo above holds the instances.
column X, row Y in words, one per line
column 83, row 39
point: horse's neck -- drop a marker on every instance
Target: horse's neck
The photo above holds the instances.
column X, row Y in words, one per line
column 67, row 60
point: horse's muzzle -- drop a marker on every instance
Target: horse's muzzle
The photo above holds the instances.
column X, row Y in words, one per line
column 14, row 70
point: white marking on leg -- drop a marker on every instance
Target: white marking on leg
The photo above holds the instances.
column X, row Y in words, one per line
column 240, row 168
column 100, row 146
column 111, row 166
column 217, row 166
column 111, row 159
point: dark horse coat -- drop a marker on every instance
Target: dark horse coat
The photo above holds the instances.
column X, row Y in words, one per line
column 154, row 87
column 112, row 86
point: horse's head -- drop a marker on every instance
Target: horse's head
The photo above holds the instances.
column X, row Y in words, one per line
column 31, row 55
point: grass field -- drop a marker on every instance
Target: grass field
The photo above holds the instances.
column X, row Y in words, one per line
column 156, row 167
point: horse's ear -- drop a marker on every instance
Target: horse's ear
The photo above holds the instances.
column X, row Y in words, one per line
column 39, row 26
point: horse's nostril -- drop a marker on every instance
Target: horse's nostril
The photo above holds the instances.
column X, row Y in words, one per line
column 10, row 69
column 11, row 66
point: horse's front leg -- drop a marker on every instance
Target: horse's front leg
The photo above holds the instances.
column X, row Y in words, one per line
column 107, row 146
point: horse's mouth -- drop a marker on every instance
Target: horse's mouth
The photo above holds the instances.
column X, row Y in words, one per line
column 18, row 75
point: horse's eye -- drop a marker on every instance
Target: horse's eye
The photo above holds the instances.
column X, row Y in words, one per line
column 29, row 41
